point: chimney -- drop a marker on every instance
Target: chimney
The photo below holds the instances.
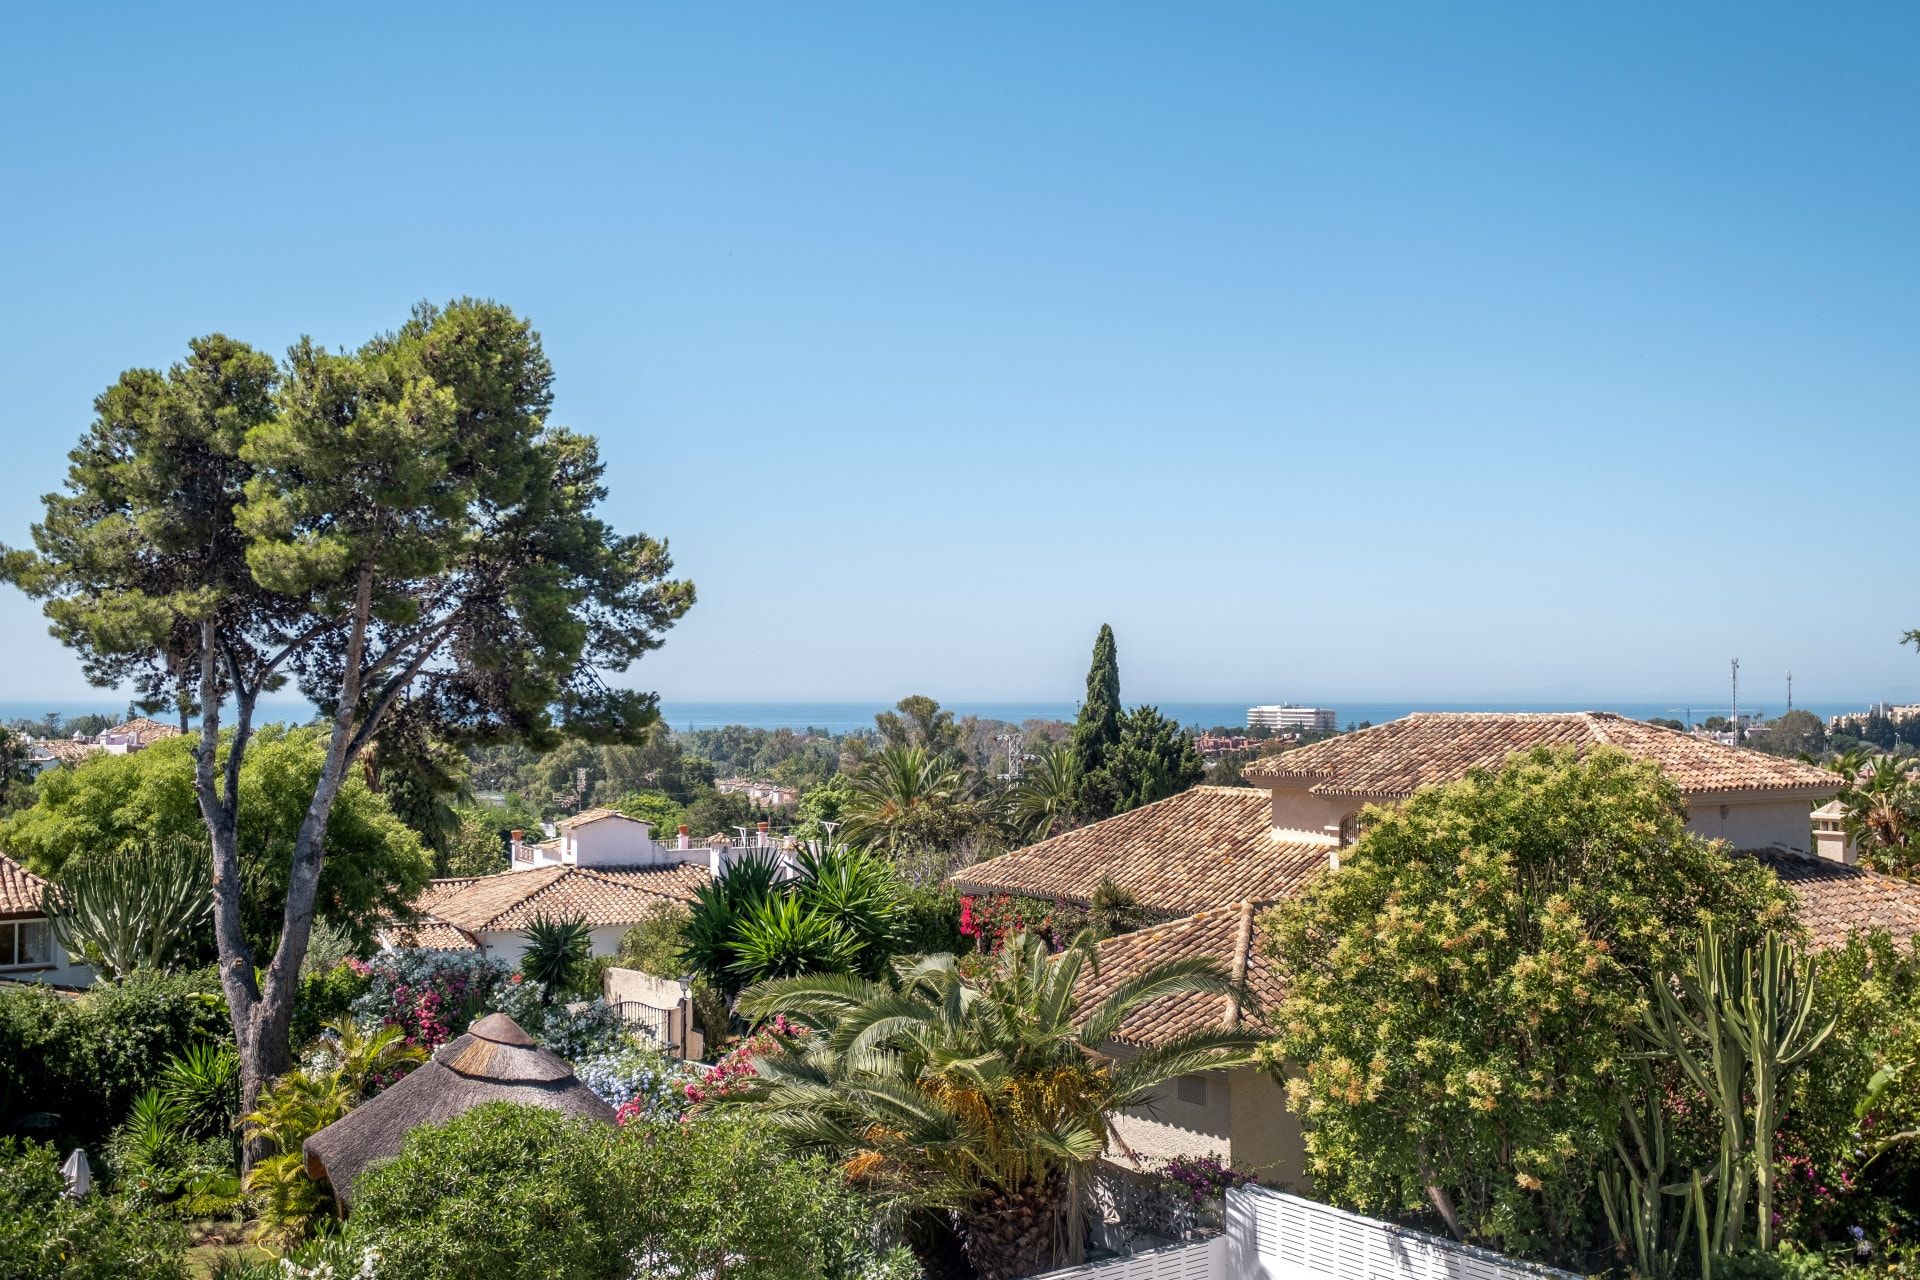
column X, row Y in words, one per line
column 761, row 827
column 1830, row 838
column 686, row 838
column 517, row 837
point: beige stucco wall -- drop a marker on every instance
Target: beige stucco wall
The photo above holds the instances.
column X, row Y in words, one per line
column 1748, row 823
column 1244, row 1122
column 508, row 947
column 1266, row 1133
column 1296, row 809
column 1167, row 1126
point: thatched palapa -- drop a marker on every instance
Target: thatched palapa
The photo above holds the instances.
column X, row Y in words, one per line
column 495, row 1061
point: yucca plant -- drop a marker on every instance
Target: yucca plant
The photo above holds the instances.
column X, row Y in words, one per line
column 557, row 952
column 130, row 908
column 719, row 906
column 990, row 1099
column 783, row 937
column 860, row 892
column 203, row 1086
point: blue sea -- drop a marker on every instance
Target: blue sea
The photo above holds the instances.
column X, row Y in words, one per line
column 842, row 717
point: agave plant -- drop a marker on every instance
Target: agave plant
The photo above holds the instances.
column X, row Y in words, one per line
column 557, row 951
column 989, row 1099
column 128, row 909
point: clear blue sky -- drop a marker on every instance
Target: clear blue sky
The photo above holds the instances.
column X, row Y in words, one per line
column 1434, row 351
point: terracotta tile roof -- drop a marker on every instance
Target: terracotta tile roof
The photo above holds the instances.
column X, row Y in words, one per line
column 1192, row 851
column 1836, row 899
column 143, row 730
column 1228, row 934
column 586, row 816
column 434, row 935
column 20, row 889
column 1395, row 759
column 512, row 899
column 65, row 750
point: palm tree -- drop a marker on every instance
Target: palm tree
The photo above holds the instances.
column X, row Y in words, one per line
column 905, row 797
column 1883, row 813
column 1044, row 799
column 990, row 1099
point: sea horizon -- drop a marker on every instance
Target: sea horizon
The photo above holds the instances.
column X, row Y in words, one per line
column 844, row 716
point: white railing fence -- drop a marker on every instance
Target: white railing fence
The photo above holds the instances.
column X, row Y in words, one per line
column 1271, row 1235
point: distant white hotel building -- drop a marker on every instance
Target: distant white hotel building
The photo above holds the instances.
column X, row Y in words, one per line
column 1288, row 716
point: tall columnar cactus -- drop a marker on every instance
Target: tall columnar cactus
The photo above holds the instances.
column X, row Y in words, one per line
column 126, row 910
column 1638, row 1198
column 1737, row 1020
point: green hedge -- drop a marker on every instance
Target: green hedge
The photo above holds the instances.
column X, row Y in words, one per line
column 73, row 1066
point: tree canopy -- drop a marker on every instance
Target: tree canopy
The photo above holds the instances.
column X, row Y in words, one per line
column 144, row 801
column 397, row 526
column 1462, row 991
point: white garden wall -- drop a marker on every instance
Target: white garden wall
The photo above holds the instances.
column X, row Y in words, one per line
column 1271, row 1235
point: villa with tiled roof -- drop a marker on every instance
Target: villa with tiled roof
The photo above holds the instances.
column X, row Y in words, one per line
column 28, row 950
column 1198, row 860
column 1239, row 1116
column 598, row 866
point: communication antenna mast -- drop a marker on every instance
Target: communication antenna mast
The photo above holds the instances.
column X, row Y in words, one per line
column 1736, row 702
column 1789, row 691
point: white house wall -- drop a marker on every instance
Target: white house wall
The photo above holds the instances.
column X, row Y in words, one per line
column 508, row 947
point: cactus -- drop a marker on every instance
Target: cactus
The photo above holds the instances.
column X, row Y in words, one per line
column 1635, row 1193
column 1736, row 1020
column 127, row 909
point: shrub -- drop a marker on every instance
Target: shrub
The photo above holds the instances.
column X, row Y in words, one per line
column 508, row 1190
column 327, row 994
column 504, row 1191
column 655, row 944
column 640, row 1080
column 44, row 1235
column 992, row 919
column 932, row 924
column 91, row 1057
column 431, row 996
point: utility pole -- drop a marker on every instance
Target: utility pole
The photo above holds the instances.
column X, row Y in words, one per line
column 1736, row 702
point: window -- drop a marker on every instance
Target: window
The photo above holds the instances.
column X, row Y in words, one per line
column 1191, row 1090
column 26, row 944
column 1350, row 829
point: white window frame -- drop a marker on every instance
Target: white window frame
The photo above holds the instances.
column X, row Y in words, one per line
column 11, row 929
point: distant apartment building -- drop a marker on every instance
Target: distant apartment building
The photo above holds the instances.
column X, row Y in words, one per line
column 1212, row 746
column 1287, row 716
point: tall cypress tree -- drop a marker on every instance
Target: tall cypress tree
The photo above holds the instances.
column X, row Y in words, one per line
column 1097, row 732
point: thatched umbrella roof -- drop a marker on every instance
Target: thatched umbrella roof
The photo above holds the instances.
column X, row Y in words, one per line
column 495, row 1061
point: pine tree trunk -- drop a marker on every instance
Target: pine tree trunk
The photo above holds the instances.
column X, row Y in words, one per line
column 1014, row 1231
